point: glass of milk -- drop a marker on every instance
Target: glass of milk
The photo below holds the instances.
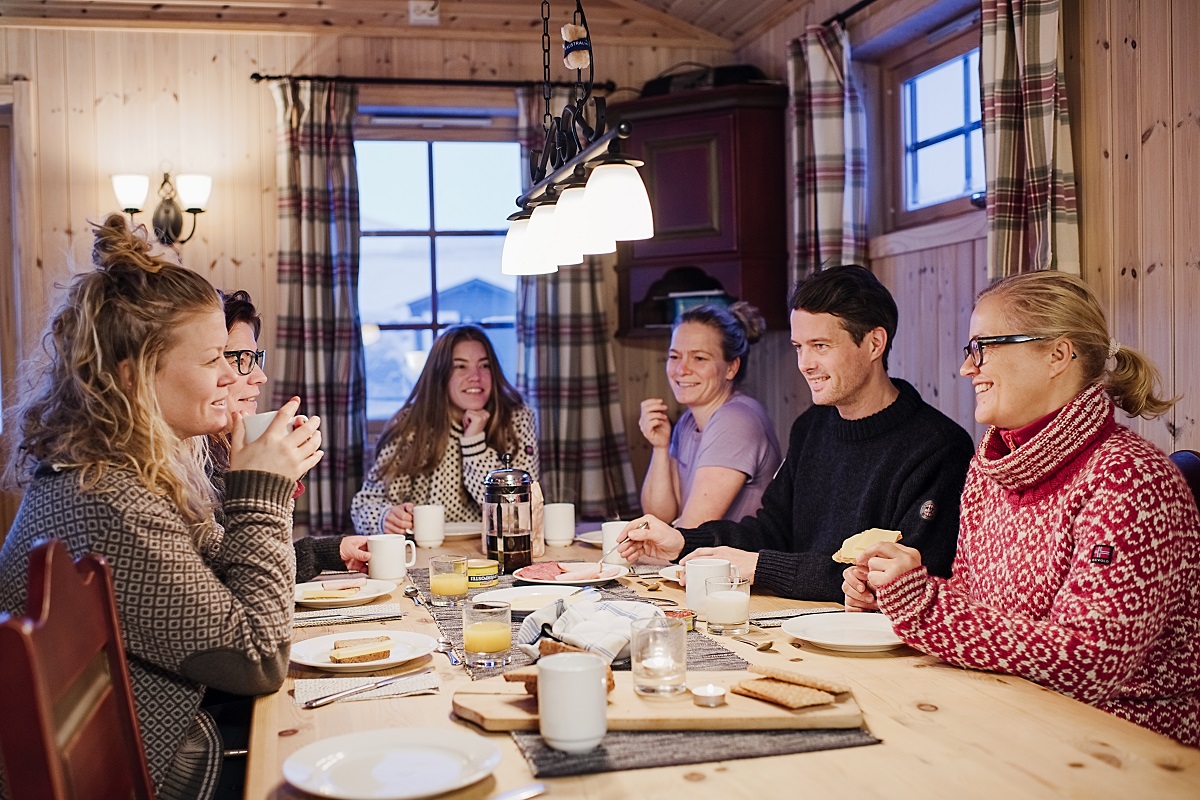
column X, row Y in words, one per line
column 727, row 603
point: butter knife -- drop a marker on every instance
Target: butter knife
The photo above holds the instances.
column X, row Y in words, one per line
column 317, row 702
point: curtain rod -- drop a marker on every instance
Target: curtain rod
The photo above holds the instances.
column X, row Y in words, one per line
column 841, row 17
column 607, row 86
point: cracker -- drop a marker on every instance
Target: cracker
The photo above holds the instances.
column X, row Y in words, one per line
column 788, row 695
column 800, row 679
column 338, row 644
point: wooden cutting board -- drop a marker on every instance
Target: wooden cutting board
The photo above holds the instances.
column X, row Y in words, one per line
column 495, row 704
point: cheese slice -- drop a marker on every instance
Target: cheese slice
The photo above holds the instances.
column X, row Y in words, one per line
column 346, row 583
column 857, row 544
column 374, row 651
column 328, row 594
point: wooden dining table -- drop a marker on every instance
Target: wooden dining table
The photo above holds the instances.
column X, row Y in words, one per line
column 945, row 731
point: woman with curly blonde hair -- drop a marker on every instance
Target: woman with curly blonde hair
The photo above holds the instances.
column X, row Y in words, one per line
column 1076, row 562
column 111, row 448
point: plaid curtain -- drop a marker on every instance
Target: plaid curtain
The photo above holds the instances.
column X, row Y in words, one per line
column 567, row 372
column 829, row 153
column 318, row 341
column 1031, row 212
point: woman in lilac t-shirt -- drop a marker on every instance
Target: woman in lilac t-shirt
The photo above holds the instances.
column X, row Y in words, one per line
column 720, row 456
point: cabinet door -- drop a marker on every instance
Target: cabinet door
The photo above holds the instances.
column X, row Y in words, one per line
column 689, row 177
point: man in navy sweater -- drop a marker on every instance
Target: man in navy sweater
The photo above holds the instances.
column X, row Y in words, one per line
column 870, row 453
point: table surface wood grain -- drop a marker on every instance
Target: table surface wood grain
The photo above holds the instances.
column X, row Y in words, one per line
column 946, row 731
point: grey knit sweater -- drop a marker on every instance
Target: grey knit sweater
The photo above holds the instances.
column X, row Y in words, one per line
column 219, row 615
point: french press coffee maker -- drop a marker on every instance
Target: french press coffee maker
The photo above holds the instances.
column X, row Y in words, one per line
column 508, row 516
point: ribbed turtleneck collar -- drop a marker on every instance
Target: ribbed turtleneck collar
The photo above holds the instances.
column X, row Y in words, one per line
column 1081, row 423
column 907, row 403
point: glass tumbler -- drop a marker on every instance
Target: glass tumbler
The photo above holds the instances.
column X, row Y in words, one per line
column 487, row 633
column 728, row 605
column 447, row 580
column 659, row 654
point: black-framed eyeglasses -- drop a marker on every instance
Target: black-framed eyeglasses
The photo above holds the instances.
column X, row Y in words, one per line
column 974, row 348
column 245, row 360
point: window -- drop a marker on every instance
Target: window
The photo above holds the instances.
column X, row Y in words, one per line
column 933, row 122
column 943, row 139
column 433, row 217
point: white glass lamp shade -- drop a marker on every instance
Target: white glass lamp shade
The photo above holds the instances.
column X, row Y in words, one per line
column 514, row 259
column 617, row 200
column 193, row 191
column 586, row 238
column 131, row 191
column 542, row 243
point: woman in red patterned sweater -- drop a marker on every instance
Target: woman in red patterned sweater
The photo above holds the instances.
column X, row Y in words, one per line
column 1077, row 558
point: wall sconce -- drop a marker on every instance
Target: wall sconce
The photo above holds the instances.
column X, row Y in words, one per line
column 167, row 219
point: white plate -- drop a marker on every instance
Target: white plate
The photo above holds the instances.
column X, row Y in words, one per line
column 594, row 538
column 606, row 575
column 405, row 647
column 366, row 594
column 525, row 599
column 463, row 530
column 671, row 572
column 391, row 764
column 848, row 631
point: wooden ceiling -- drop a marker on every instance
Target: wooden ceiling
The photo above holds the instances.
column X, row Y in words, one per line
column 694, row 23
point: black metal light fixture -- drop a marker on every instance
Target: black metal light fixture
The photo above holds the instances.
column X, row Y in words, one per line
column 586, row 194
column 167, row 218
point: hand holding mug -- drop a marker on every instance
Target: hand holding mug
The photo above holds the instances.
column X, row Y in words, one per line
column 353, row 552
column 399, row 518
column 745, row 562
column 283, row 448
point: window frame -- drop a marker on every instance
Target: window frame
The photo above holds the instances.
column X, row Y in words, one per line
column 903, row 64
column 503, row 129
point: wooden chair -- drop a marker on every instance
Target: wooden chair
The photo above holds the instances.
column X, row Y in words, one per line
column 68, row 728
column 1188, row 462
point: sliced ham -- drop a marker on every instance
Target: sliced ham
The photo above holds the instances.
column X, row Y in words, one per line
column 545, row 571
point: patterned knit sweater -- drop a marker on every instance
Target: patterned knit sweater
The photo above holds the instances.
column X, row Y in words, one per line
column 1076, row 569
column 184, row 627
column 456, row 483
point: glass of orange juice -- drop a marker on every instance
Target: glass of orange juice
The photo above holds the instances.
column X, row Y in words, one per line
column 447, row 580
column 487, row 633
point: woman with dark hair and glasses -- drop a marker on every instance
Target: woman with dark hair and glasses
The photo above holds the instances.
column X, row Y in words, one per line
column 313, row 554
column 439, row 447
column 1076, row 564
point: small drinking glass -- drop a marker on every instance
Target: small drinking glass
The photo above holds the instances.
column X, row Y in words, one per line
column 659, row 652
column 727, row 602
column 447, row 580
column 487, row 633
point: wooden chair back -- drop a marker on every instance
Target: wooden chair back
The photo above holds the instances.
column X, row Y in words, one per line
column 68, row 728
column 1188, row 462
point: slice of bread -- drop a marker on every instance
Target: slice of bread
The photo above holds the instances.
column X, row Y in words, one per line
column 528, row 676
column 329, row 594
column 338, row 644
column 357, row 654
column 343, row 583
column 856, row 545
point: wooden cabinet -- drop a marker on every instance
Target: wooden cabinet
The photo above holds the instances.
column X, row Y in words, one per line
column 716, row 171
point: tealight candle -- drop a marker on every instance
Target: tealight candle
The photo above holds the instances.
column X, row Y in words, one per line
column 709, row 695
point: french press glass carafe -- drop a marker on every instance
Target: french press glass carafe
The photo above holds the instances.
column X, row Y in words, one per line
column 508, row 516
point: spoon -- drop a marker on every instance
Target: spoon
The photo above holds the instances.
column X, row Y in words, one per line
column 444, row 645
column 762, row 647
column 411, row 591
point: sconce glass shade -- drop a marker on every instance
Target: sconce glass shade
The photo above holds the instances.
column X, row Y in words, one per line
column 543, row 244
column 618, row 203
column 193, row 191
column 515, row 258
column 131, row 191
column 586, row 237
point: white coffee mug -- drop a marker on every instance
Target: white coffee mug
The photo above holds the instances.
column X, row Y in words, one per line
column 429, row 525
column 612, row 534
column 697, row 571
column 572, row 701
column 387, row 556
column 560, row 523
column 256, row 424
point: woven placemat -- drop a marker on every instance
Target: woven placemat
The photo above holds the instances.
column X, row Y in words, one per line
column 703, row 652
column 622, row 750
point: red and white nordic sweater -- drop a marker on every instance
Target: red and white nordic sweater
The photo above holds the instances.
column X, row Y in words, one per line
column 1078, row 568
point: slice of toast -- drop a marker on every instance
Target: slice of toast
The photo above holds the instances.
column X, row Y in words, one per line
column 357, row 654
column 329, row 594
column 338, row 644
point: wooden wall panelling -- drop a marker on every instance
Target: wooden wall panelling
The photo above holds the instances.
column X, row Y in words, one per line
column 272, row 61
column 244, row 264
column 80, row 119
column 1186, row 212
column 1155, row 270
column 54, row 187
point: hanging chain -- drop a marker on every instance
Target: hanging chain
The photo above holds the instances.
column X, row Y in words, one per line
column 547, row 117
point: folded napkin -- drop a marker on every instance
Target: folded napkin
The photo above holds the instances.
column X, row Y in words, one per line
column 343, row 615
column 600, row 627
column 312, row 688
